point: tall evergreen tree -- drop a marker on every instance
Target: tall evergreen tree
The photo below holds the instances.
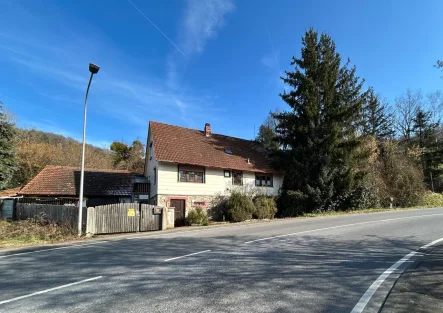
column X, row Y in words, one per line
column 266, row 134
column 7, row 150
column 319, row 134
column 426, row 136
column 377, row 122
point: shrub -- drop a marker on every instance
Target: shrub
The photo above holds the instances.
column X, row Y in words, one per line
column 291, row 203
column 433, row 199
column 218, row 210
column 265, row 207
column 34, row 231
column 197, row 216
column 239, row 207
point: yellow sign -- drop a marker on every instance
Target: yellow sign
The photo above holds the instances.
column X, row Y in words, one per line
column 131, row 212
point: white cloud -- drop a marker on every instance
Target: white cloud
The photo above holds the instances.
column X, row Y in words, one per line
column 57, row 70
column 269, row 61
column 202, row 21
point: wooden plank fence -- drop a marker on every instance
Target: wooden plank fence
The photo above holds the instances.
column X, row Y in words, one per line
column 57, row 213
column 123, row 218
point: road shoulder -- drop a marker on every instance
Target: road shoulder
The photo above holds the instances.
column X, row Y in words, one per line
column 420, row 287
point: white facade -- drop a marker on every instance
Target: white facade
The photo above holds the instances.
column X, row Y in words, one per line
column 215, row 183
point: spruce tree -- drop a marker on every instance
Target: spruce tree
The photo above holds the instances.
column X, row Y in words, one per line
column 377, row 122
column 7, row 151
column 266, row 134
column 426, row 137
column 319, row 134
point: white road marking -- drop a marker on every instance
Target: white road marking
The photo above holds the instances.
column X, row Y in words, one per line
column 340, row 226
column 361, row 304
column 51, row 249
column 432, row 243
column 364, row 300
column 49, row 290
column 184, row 256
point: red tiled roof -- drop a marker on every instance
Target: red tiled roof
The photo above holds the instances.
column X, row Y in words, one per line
column 65, row 181
column 190, row 146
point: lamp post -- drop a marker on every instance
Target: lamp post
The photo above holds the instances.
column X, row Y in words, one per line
column 94, row 70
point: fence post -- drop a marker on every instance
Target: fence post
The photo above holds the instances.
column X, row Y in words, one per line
column 90, row 222
column 171, row 217
column 164, row 221
column 138, row 215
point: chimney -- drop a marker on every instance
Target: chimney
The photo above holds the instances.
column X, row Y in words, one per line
column 208, row 130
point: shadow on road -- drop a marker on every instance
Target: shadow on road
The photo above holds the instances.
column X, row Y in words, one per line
column 303, row 273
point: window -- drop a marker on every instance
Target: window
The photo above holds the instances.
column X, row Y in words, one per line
column 227, row 173
column 191, row 175
column 141, row 188
column 228, row 151
column 237, row 178
column 155, row 175
column 263, row 180
column 150, row 151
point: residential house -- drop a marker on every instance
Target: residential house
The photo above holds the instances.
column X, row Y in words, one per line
column 190, row 168
column 100, row 186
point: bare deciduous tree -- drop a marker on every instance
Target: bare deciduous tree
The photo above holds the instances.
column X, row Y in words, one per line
column 435, row 100
column 407, row 106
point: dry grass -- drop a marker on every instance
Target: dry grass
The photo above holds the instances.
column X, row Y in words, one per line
column 364, row 211
column 33, row 232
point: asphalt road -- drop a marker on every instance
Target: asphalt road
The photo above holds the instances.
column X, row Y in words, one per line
column 300, row 265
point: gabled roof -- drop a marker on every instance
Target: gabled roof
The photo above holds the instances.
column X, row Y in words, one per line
column 65, row 181
column 190, row 146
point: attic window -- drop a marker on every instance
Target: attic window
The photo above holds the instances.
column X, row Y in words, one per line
column 228, row 151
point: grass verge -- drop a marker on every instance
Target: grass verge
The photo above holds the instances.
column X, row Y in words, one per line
column 33, row 232
column 374, row 210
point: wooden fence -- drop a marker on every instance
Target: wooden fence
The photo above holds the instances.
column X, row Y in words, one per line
column 123, row 218
column 57, row 213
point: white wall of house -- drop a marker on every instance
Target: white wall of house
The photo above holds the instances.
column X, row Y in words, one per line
column 215, row 183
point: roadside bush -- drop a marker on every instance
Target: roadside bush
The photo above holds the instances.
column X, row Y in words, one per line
column 433, row 199
column 197, row 216
column 218, row 210
column 239, row 207
column 265, row 207
column 291, row 203
column 34, row 231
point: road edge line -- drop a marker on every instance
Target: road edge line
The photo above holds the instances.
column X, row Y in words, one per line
column 364, row 300
column 49, row 290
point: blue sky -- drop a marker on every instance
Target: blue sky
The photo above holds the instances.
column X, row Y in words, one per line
column 215, row 61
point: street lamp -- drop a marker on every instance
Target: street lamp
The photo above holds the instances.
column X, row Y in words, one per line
column 94, row 70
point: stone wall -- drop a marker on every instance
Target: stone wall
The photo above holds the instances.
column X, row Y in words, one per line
column 208, row 203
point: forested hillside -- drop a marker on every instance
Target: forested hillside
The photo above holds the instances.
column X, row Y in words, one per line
column 35, row 149
column 24, row 153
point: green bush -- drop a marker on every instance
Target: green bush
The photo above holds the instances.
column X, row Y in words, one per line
column 291, row 203
column 433, row 199
column 218, row 210
column 197, row 216
column 265, row 207
column 239, row 207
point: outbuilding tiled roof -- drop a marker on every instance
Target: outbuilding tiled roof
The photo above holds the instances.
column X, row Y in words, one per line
column 190, row 146
column 65, row 181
